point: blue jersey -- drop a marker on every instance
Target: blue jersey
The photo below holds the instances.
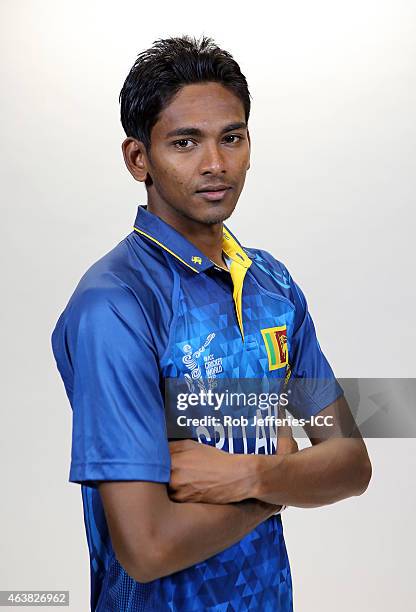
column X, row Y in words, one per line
column 156, row 308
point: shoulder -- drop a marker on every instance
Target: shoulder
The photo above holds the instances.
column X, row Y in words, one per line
column 113, row 290
column 108, row 281
column 274, row 275
column 260, row 256
column 119, row 308
column 271, row 271
column 124, row 265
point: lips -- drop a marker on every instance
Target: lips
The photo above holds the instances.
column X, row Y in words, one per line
column 211, row 188
column 213, row 192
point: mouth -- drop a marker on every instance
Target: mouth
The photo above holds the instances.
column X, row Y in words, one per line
column 213, row 193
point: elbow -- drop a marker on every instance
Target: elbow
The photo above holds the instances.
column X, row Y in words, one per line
column 149, row 564
column 142, row 574
column 364, row 474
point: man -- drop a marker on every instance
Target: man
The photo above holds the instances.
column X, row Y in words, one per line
column 192, row 524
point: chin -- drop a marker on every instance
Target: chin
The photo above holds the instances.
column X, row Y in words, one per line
column 214, row 214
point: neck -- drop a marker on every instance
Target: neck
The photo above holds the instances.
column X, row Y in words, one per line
column 206, row 237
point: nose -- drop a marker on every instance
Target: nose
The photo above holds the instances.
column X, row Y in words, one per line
column 212, row 161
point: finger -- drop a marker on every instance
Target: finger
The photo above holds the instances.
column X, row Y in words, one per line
column 178, row 446
column 286, row 442
column 284, row 430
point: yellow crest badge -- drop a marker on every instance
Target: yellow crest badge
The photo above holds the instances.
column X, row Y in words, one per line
column 196, row 259
column 275, row 340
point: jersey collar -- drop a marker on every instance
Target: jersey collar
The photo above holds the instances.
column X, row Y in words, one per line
column 166, row 237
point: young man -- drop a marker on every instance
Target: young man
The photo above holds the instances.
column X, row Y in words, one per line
column 185, row 525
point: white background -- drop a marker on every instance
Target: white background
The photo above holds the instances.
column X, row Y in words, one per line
column 330, row 193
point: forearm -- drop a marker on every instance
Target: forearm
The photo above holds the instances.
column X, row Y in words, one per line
column 315, row 476
column 189, row 533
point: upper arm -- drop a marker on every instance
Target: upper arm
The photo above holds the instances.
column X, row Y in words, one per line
column 312, row 382
column 118, row 427
column 135, row 512
column 315, row 391
column 105, row 350
column 337, row 425
column 335, row 420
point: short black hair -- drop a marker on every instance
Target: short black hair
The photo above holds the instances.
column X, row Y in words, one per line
column 162, row 70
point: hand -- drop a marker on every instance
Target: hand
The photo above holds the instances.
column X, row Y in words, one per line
column 203, row 473
column 262, row 509
column 286, row 443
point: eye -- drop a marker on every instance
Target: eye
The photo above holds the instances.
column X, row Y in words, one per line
column 183, row 143
column 229, row 138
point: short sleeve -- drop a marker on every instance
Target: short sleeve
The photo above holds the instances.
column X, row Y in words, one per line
column 104, row 350
column 312, row 383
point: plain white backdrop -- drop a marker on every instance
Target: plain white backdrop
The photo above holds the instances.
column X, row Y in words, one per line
column 330, row 192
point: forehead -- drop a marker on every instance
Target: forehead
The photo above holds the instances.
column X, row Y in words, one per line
column 203, row 105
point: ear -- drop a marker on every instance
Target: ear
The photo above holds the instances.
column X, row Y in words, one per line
column 135, row 158
column 249, row 148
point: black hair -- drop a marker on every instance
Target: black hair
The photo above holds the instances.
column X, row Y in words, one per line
column 162, row 70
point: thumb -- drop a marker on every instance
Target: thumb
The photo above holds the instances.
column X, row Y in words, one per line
column 286, row 443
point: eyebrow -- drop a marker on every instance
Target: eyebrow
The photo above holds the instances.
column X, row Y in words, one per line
column 193, row 131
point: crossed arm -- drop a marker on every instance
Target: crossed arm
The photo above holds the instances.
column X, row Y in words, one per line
column 337, row 466
column 215, row 498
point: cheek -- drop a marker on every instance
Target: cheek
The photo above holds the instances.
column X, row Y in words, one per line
column 245, row 159
column 175, row 176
